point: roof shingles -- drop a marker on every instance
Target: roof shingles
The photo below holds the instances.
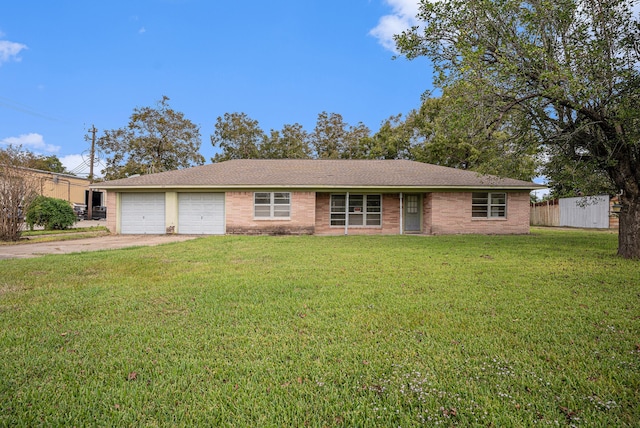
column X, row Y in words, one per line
column 307, row 173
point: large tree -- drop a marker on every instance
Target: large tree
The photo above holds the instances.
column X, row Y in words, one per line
column 155, row 140
column 456, row 130
column 47, row 163
column 570, row 67
column 571, row 176
column 333, row 138
column 238, row 136
column 392, row 141
column 29, row 159
column 292, row 142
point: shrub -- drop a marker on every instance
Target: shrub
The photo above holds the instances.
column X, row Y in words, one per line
column 17, row 190
column 52, row 213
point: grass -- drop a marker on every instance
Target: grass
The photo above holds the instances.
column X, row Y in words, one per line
column 537, row 330
column 32, row 236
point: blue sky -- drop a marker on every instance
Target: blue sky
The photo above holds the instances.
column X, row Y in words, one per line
column 66, row 65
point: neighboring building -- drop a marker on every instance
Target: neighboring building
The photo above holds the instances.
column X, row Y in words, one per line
column 324, row 197
column 70, row 188
column 61, row 186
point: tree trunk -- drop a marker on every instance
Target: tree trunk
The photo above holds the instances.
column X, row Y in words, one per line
column 629, row 232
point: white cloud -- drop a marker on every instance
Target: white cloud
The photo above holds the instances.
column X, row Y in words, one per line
column 10, row 51
column 142, row 30
column 74, row 163
column 403, row 17
column 79, row 165
column 31, row 141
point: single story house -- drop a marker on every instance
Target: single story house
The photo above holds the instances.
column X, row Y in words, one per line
column 323, row 197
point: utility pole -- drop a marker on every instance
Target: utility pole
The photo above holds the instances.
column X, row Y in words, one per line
column 92, row 156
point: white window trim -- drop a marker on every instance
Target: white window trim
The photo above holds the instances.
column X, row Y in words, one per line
column 272, row 205
column 364, row 213
column 489, row 205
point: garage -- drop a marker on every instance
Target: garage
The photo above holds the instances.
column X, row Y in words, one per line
column 142, row 213
column 201, row 213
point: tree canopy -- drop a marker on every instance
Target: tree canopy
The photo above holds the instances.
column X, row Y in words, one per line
column 155, row 140
column 442, row 131
column 565, row 70
column 20, row 156
column 333, row 138
column 455, row 130
column 292, row 142
column 238, row 136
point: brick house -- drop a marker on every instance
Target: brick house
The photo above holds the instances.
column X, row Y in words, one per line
column 323, row 197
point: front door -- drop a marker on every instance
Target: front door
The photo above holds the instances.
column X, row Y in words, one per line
column 412, row 211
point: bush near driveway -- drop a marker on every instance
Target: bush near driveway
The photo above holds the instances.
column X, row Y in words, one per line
column 51, row 213
column 538, row 330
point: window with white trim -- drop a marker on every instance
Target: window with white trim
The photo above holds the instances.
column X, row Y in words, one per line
column 272, row 205
column 364, row 210
column 488, row 205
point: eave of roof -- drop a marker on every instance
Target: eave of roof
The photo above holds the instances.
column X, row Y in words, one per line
column 51, row 173
column 315, row 187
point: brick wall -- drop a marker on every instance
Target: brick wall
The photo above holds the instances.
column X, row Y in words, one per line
column 451, row 214
column 112, row 212
column 240, row 219
column 443, row 213
column 390, row 218
column 427, row 214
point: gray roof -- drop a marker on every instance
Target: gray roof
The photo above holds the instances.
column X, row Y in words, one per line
column 317, row 174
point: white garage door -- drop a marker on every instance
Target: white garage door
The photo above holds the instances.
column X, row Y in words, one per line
column 201, row 213
column 142, row 213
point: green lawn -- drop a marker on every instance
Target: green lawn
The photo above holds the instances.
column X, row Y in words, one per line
column 499, row 331
column 33, row 236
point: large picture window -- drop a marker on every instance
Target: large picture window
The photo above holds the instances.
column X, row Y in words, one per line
column 488, row 205
column 272, row 205
column 364, row 210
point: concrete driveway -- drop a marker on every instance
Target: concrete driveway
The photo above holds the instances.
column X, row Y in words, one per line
column 88, row 244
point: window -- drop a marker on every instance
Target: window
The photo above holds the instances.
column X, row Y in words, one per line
column 364, row 210
column 272, row 205
column 411, row 204
column 488, row 205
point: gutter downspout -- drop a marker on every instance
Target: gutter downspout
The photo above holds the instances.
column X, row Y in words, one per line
column 346, row 215
column 68, row 190
column 401, row 215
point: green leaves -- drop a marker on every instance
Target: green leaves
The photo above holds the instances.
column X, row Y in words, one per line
column 561, row 76
column 155, row 140
column 52, row 213
column 20, row 156
column 238, row 136
column 333, row 138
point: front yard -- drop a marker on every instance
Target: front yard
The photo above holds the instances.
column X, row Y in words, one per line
column 32, row 236
column 538, row 330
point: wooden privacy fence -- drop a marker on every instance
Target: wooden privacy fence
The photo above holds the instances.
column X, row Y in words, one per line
column 545, row 213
